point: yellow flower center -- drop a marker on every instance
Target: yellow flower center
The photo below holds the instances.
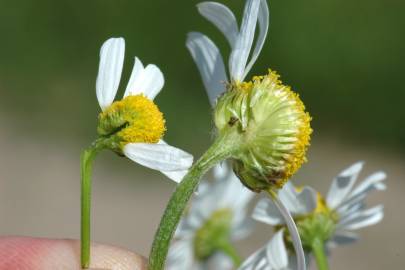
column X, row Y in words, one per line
column 133, row 119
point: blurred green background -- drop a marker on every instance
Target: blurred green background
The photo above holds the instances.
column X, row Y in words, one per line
column 345, row 58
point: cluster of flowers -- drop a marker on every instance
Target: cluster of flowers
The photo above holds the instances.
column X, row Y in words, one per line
column 332, row 219
column 263, row 132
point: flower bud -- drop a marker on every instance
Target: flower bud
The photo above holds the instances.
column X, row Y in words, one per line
column 274, row 129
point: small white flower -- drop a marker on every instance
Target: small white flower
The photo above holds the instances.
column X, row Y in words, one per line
column 343, row 200
column 223, row 195
column 145, row 82
column 350, row 205
column 206, row 54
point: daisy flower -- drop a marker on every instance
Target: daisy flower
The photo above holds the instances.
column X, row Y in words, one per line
column 271, row 118
column 268, row 119
column 135, row 122
column 131, row 127
column 333, row 220
column 217, row 216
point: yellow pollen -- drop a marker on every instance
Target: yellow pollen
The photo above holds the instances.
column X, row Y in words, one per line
column 244, row 86
column 136, row 118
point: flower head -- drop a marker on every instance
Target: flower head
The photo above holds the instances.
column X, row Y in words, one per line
column 271, row 120
column 332, row 219
column 217, row 216
column 274, row 126
column 134, row 125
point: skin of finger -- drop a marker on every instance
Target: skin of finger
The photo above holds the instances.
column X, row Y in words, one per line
column 24, row 253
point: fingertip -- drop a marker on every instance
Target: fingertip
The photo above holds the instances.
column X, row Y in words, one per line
column 24, row 253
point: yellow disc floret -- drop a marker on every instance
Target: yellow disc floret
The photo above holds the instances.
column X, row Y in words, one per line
column 134, row 119
column 321, row 206
column 274, row 126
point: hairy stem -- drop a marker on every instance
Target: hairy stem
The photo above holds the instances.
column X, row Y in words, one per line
column 292, row 228
column 221, row 149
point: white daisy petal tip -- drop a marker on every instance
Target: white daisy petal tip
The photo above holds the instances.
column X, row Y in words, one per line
column 176, row 176
column 153, row 81
column 353, row 169
column 112, row 54
column 342, row 185
column 243, row 45
column 222, row 17
column 147, row 80
column 134, row 80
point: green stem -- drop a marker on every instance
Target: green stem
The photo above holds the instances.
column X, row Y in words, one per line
column 86, row 161
column 221, row 149
column 232, row 253
column 319, row 253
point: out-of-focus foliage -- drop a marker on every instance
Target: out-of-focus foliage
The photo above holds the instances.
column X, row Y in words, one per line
column 345, row 58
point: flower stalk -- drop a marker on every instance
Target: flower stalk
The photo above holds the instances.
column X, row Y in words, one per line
column 318, row 250
column 292, row 228
column 86, row 160
column 223, row 147
column 231, row 252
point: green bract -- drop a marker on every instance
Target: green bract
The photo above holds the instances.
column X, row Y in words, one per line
column 273, row 126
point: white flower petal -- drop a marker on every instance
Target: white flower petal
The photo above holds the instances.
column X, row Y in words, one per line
column 109, row 72
column 373, row 182
column 209, row 199
column 222, row 170
column 222, row 17
column 160, row 157
column 293, row 230
column 184, row 230
column 256, row 261
column 276, row 252
column 349, row 209
column 362, row 219
column 298, row 203
column 210, row 64
column 266, row 212
column 176, row 176
column 180, row 256
column 242, row 228
column 263, row 18
column 152, row 81
column 344, row 238
column 243, row 45
column 234, row 194
column 218, row 261
column 135, row 76
column 342, row 185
